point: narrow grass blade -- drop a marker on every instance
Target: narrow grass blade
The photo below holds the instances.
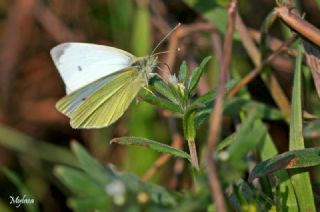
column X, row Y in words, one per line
column 300, row 180
column 283, row 190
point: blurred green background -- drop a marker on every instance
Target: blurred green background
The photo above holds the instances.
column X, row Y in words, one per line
column 34, row 137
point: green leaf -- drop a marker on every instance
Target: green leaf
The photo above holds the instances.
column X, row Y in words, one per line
column 78, row 182
column 300, row 180
column 159, row 102
column 183, row 73
column 179, row 91
column 89, row 164
column 288, row 160
column 210, row 96
column 196, row 74
column 23, row 190
column 160, row 147
column 163, row 88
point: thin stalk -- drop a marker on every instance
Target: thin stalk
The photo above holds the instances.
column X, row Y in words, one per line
column 193, row 154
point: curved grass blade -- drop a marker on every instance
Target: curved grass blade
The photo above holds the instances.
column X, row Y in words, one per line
column 288, row 160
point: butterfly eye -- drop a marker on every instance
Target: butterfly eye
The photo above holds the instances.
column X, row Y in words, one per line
column 137, row 63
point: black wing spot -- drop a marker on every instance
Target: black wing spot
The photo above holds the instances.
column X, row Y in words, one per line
column 83, row 99
column 79, row 68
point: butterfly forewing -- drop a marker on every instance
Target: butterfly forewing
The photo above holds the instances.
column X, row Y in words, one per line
column 80, row 64
column 109, row 103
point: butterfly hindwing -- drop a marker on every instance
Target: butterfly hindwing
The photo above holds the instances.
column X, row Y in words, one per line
column 108, row 103
column 68, row 104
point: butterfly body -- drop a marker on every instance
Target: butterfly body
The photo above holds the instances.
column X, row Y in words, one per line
column 101, row 82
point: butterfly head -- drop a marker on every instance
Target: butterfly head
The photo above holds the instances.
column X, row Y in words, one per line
column 146, row 64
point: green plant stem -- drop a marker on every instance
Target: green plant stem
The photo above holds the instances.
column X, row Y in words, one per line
column 193, row 154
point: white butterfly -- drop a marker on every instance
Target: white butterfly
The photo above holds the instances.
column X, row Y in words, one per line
column 101, row 82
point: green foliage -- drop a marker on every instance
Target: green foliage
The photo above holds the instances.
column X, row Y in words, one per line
column 177, row 96
column 23, row 190
column 96, row 187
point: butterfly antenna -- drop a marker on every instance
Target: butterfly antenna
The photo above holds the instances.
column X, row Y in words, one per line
column 168, row 51
column 165, row 37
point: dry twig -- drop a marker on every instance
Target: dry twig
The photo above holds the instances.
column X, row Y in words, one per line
column 295, row 22
column 216, row 114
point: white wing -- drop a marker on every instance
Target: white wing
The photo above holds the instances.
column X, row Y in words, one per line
column 80, row 64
